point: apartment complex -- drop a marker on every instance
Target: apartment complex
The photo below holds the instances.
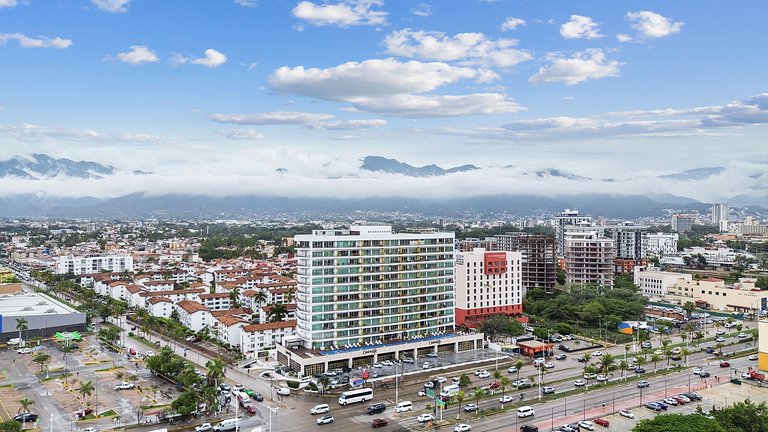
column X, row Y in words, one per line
column 94, row 264
column 369, row 285
column 589, row 258
column 631, row 241
column 662, row 244
column 568, row 218
column 682, row 222
column 539, row 259
column 719, row 213
column 488, row 283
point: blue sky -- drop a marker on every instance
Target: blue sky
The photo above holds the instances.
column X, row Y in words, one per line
column 233, row 90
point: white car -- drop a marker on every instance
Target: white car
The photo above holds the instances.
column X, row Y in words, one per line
column 484, row 375
column 743, row 336
column 549, row 365
column 283, row 391
column 547, row 390
column 480, row 371
column 387, row 363
column 150, row 353
column 697, row 370
column 658, row 352
column 601, row 377
column 752, row 357
column 429, row 384
column 462, row 427
column 512, row 370
column 24, row 350
column 470, row 407
column 123, row 386
column 426, row 365
column 671, row 401
column 506, row 399
column 204, row 427
column 432, row 354
column 590, row 375
column 597, row 354
column 588, row 425
column 440, row 379
column 89, row 429
column 320, row 409
column 325, row 419
column 14, row 341
column 520, row 382
column 423, row 418
column 378, row 365
column 720, row 339
column 579, row 383
column 676, row 350
column 422, row 393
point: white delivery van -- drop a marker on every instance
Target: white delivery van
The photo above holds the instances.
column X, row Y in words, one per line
column 403, row 406
column 320, row 409
column 525, row 411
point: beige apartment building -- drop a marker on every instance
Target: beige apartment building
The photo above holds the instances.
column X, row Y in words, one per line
column 742, row 296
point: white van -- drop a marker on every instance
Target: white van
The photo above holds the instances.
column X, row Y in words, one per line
column 525, row 411
column 227, row 425
column 320, row 409
column 404, row 406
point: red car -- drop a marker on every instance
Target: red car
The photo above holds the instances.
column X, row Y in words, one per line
column 378, row 423
column 494, row 385
column 679, row 400
column 601, row 422
column 725, row 364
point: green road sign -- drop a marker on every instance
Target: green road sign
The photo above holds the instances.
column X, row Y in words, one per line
column 440, row 403
column 430, row 393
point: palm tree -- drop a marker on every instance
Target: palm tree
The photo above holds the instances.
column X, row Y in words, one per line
column 22, row 325
column 85, row 389
column 496, row 376
column 519, row 365
column 699, row 337
column 324, row 381
column 277, row 312
column 655, row 359
column 667, row 350
column 234, row 298
column 215, row 371
column 259, row 297
column 624, row 366
column 689, row 307
column 25, row 404
column 42, row 358
column 459, row 399
column 132, row 378
column 290, row 295
column 607, row 362
column 478, row 394
column 589, row 369
column 685, row 352
column 504, row 383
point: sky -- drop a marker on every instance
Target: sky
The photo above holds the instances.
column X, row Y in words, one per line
column 231, row 97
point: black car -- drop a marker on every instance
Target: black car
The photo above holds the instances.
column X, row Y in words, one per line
column 529, row 428
column 562, row 347
column 346, row 369
column 258, row 397
column 26, row 417
column 710, row 350
column 581, row 359
column 376, row 408
column 639, row 370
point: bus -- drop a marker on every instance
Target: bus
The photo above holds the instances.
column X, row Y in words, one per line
column 353, row 396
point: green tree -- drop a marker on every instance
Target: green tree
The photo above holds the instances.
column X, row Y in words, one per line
column 464, row 381
column 22, row 325
column 186, row 403
column 277, row 312
column 607, row 362
column 25, row 404
column 496, row 376
column 234, row 298
column 505, row 382
column 85, row 389
column 215, row 371
column 479, row 393
column 42, row 359
column 624, row 366
column 175, row 315
column 518, row 365
column 689, row 307
column 324, row 381
column 10, row 426
column 259, row 297
column 655, row 359
column 678, row 423
column 744, row 416
column 459, row 399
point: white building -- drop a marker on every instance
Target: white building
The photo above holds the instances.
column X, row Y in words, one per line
column 369, row 285
column 654, row 282
column 589, row 258
column 565, row 219
column 160, row 307
column 215, row 301
column 488, row 283
column 193, row 315
column 228, row 328
column 258, row 338
column 719, row 213
column 631, row 241
column 94, row 264
column 662, row 244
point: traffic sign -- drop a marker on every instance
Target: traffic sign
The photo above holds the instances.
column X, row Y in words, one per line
column 430, row 393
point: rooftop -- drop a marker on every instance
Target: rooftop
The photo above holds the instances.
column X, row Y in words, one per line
column 25, row 304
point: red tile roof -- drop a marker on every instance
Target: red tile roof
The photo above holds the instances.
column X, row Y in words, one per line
column 269, row 326
column 191, row 306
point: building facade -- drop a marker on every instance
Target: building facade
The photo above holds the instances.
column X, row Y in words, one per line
column 630, row 240
column 565, row 219
column 539, row 263
column 662, row 244
column 589, row 258
column 682, row 222
column 654, row 282
column 370, row 285
column 488, row 283
column 739, row 297
column 94, row 264
column 719, row 213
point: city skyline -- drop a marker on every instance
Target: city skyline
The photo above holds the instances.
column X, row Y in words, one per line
column 285, row 98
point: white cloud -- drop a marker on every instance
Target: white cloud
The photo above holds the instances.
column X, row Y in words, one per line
column 343, row 14
column 211, row 59
column 8, row 3
column 348, row 124
column 468, row 48
column 138, row 54
column 369, row 78
column 272, row 118
column 589, row 64
column 750, row 111
column 246, row 3
column 241, row 134
column 653, row 25
column 423, row 10
column 512, row 23
column 112, row 6
column 32, row 132
column 580, row 27
column 439, row 106
column 623, row 37
column 39, row 42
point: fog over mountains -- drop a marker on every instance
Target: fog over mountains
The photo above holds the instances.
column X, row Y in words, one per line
column 42, row 185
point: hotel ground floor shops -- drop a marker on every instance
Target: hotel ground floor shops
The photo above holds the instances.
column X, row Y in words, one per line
column 306, row 362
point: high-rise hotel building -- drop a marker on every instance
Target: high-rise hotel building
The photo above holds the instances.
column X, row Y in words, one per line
column 368, row 285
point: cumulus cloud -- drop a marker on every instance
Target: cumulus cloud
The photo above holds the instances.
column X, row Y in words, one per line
column 750, row 111
column 580, row 27
column 370, row 78
column 8, row 3
column 467, row 48
column 512, row 23
column 439, row 105
column 246, row 3
column 112, row 6
column 32, row 132
column 136, row 55
column 39, row 42
column 241, row 134
column 652, row 25
column 586, row 65
column 423, row 10
column 211, row 59
column 342, row 14
column 622, row 37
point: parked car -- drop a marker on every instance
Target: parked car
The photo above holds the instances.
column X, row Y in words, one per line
column 654, row 406
column 671, row 401
column 26, row 417
column 602, row 422
column 283, row 391
column 432, row 354
column 586, row 424
column 462, row 427
column 123, row 386
column 626, row 413
column 24, row 350
column 378, row 422
column 204, row 427
column 529, row 428
column 423, row 418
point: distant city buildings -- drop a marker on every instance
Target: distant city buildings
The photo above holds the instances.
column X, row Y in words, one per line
column 589, row 258
column 682, row 223
column 750, row 227
column 662, row 244
column 539, row 258
column 488, row 283
column 565, row 219
column 94, row 264
column 719, row 213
